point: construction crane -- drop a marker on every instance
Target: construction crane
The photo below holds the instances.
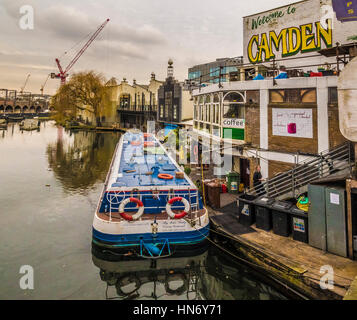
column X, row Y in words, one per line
column 24, row 86
column 63, row 74
column 43, row 86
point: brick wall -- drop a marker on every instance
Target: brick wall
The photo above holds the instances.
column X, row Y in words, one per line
column 335, row 136
column 276, row 167
column 252, row 124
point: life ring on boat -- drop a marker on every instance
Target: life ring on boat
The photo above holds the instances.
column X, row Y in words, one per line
column 180, row 215
column 137, row 215
column 135, row 143
column 147, row 135
column 176, row 277
column 125, row 281
column 149, row 143
column 165, row 176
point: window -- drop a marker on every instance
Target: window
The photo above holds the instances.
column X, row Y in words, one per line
column 293, row 96
column 161, row 111
column 124, row 101
column 233, row 111
column 332, row 95
column 214, row 75
column 215, row 113
column 234, row 97
column 168, row 103
column 216, row 131
column 194, row 75
column 175, row 112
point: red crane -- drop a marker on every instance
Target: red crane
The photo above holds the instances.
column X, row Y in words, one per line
column 63, row 74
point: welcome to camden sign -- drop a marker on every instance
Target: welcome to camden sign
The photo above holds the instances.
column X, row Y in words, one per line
column 298, row 28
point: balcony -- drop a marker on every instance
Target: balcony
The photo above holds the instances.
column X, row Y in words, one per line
column 136, row 109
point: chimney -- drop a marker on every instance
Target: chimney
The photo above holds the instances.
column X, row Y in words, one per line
column 134, row 82
column 152, row 76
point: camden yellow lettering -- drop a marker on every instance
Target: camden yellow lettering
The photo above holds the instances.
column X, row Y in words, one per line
column 294, row 49
column 325, row 35
column 250, row 45
column 264, row 46
column 290, row 41
column 276, row 40
column 307, row 39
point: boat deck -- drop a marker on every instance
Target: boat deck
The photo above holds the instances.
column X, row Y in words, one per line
column 141, row 161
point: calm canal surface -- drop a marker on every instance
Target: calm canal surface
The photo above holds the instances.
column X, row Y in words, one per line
column 50, row 182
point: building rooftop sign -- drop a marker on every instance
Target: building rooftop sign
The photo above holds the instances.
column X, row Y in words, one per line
column 295, row 29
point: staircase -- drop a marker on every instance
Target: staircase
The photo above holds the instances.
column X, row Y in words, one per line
column 295, row 181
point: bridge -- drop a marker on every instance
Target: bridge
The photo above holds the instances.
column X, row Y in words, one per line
column 13, row 101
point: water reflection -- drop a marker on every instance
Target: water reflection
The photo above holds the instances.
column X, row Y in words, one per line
column 83, row 160
column 209, row 275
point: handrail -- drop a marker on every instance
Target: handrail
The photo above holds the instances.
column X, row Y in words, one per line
column 323, row 165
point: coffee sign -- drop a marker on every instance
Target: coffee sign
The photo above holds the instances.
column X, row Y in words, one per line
column 233, row 123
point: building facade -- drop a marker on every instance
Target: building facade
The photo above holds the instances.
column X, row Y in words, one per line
column 275, row 122
column 214, row 72
column 174, row 101
column 129, row 105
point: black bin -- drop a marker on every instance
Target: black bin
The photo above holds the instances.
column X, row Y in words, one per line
column 299, row 224
column 246, row 209
column 281, row 218
column 263, row 218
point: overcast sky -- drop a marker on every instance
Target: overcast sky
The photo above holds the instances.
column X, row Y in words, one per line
column 140, row 37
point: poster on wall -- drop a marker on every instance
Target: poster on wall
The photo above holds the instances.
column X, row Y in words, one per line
column 296, row 123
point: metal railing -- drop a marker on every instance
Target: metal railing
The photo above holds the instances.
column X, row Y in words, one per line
column 115, row 198
column 294, row 181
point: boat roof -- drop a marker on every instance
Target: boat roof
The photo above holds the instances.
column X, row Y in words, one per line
column 137, row 163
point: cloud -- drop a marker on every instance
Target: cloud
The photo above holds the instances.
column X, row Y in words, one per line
column 70, row 23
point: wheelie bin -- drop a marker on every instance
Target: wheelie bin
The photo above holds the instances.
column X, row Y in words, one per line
column 263, row 217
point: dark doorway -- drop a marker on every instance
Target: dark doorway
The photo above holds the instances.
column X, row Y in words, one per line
column 245, row 172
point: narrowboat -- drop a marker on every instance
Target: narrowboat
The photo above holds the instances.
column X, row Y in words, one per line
column 149, row 207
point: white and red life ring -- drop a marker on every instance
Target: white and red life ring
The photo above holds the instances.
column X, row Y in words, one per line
column 129, row 217
column 180, row 215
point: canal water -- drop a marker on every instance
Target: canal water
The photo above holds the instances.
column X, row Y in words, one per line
column 50, row 182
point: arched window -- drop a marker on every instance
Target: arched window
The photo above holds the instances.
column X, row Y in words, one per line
column 233, row 106
column 124, row 101
column 234, row 97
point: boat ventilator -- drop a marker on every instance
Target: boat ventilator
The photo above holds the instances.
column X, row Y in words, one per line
column 153, row 251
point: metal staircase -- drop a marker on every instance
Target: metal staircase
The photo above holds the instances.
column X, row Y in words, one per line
column 295, row 181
